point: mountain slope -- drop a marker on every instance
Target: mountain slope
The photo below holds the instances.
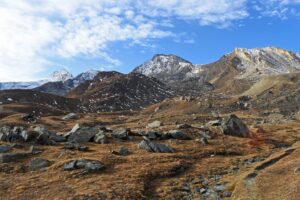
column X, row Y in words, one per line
column 239, row 70
column 112, row 91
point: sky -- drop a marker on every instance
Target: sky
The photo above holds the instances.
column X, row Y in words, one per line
column 38, row 37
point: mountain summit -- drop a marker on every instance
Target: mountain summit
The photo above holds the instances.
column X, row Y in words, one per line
column 61, row 75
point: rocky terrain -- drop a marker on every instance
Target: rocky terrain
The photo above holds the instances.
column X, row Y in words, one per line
column 168, row 130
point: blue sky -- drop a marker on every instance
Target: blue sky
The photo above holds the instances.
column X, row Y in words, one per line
column 40, row 36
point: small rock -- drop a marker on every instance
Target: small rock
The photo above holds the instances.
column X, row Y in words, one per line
column 219, row 187
column 86, row 165
column 217, row 122
column 203, row 191
column 122, row 152
column 38, row 163
column 29, row 118
column 100, row 138
column 35, row 150
column 202, row 140
column 4, row 148
column 227, row 194
column 183, row 126
column 70, row 116
column 175, row 134
column 75, row 146
column 122, row 133
column 147, row 145
column 13, row 157
column 155, row 124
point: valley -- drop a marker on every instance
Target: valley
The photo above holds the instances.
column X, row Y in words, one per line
column 169, row 129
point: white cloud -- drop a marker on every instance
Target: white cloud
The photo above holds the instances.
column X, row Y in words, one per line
column 32, row 31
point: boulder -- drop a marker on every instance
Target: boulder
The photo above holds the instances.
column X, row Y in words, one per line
column 86, row 165
column 234, row 126
column 38, row 163
column 81, row 134
column 175, row 134
column 122, row 133
column 155, row 124
column 70, row 116
column 149, row 146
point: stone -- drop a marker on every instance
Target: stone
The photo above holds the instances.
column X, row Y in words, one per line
column 5, row 148
column 75, row 146
column 82, row 134
column 38, row 163
column 219, row 187
column 155, row 124
column 226, row 194
column 202, row 140
column 71, row 165
column 235, row 127
column 152, row 135
column 29, row 118
column 217, row 122
column 122, row 133
column 70, row 116
column 35, row 150
column 13, row 157
column 43, row 136
column 175, row 134
column 57, row 138
column 149, row 146
column 100, row 138
column 123, row 151
column 86, row 165
column 183, row 126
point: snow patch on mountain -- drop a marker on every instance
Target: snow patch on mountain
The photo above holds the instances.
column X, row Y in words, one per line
column 61, row 75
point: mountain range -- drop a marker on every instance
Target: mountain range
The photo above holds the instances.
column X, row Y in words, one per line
column 167, row 76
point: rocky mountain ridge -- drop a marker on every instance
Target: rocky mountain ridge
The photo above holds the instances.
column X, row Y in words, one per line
column 57, row 76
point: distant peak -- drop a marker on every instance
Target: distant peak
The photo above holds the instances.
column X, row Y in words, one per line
column 60, row 75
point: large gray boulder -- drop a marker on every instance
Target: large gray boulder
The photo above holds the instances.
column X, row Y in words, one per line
column 234, row 126
column 150, row 146
column 81, row 133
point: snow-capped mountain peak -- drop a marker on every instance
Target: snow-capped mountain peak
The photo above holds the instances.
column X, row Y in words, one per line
column 164, row 64
column 61, row 75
